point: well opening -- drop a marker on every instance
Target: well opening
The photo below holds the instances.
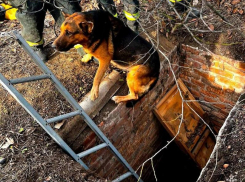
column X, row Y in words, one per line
column 216, row 82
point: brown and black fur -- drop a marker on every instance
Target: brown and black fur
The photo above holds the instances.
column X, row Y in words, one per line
column 110, row 41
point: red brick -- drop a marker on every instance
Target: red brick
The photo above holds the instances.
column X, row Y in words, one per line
column 205, row 108
column 205, row 67
column 188, row 55
column 186, row 71
column 222, row 93
column 229, row 83
column 240, row 79
column 183, row 76
column 209, row 99
column 210, row 105
column 217, row 64
column 227, row 101
column 209, row 94
column 225, row 111
column 192, row 50
column 216, row 129
column 192, row 86
column 223, row 59
column 200, row 59
column 198, row 83
column 223, row 73
column 90, row 137
column 217, row 91
column 192, row 64
column 229, row 89
column 196, row 94
column 218, row 115
column 218, row 123
column 90, row 144
column 183, row 47
column 205, row 75
column 195, row 76
column 233, row 69
column 220, row 106
column 186, row 67
column 240, row 65
column 211, row 83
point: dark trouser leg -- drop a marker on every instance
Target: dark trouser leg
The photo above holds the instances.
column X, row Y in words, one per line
column 131, row 10
column 32, row 21
column 109, row 5
column 68, row 6
column 184, row 5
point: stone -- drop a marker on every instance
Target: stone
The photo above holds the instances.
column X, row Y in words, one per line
column 2, row 160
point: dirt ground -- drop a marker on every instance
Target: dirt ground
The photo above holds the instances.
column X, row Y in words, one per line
column 34, row 156
column 228, row 159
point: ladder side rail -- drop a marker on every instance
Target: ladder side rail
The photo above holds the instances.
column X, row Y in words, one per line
column 45, row 69
column 23, row 102
column 101, row 135
column 74, row 103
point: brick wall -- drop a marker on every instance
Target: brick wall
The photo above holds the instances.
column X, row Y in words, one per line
column 135, row 132
column 215, row 80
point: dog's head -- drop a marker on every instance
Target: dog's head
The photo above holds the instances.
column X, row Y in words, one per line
column 76, row 29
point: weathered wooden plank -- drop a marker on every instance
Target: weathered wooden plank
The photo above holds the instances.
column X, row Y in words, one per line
column 169, row 112
column 73, row 129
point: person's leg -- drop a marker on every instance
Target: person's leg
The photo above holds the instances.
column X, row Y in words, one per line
column 31, row 17
column 131, row 12
column 109, row 6
column 67, row 6
column 183, row 5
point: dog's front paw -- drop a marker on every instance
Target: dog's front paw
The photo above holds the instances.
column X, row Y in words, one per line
column 94, row 94
column 116, row 99
column 86, row 58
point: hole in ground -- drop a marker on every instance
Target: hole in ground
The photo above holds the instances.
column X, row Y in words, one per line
column 174, row 165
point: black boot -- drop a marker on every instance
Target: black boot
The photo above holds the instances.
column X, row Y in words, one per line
column 133, row 25
column 195, row 13
column 182, row 6
column 2, row 13
column 40, row 52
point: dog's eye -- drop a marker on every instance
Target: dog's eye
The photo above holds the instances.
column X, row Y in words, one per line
column 68, row 33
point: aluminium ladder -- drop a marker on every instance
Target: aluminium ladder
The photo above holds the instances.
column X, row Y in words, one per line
column 8, row 85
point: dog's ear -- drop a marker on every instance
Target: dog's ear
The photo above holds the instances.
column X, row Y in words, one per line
column 66, row 15
column 87, row 27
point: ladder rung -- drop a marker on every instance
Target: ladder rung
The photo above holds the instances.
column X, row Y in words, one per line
column 64, row 116
column 122, row 177
column 92, row 150
column 28, row 79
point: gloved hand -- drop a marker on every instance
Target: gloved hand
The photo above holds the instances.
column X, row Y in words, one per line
column 9, row 14
column 80, row 50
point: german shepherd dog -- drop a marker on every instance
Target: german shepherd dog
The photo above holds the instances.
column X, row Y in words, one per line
column 110, row 41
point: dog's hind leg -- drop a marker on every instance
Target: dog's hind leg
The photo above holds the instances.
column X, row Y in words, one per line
column 139, row 82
